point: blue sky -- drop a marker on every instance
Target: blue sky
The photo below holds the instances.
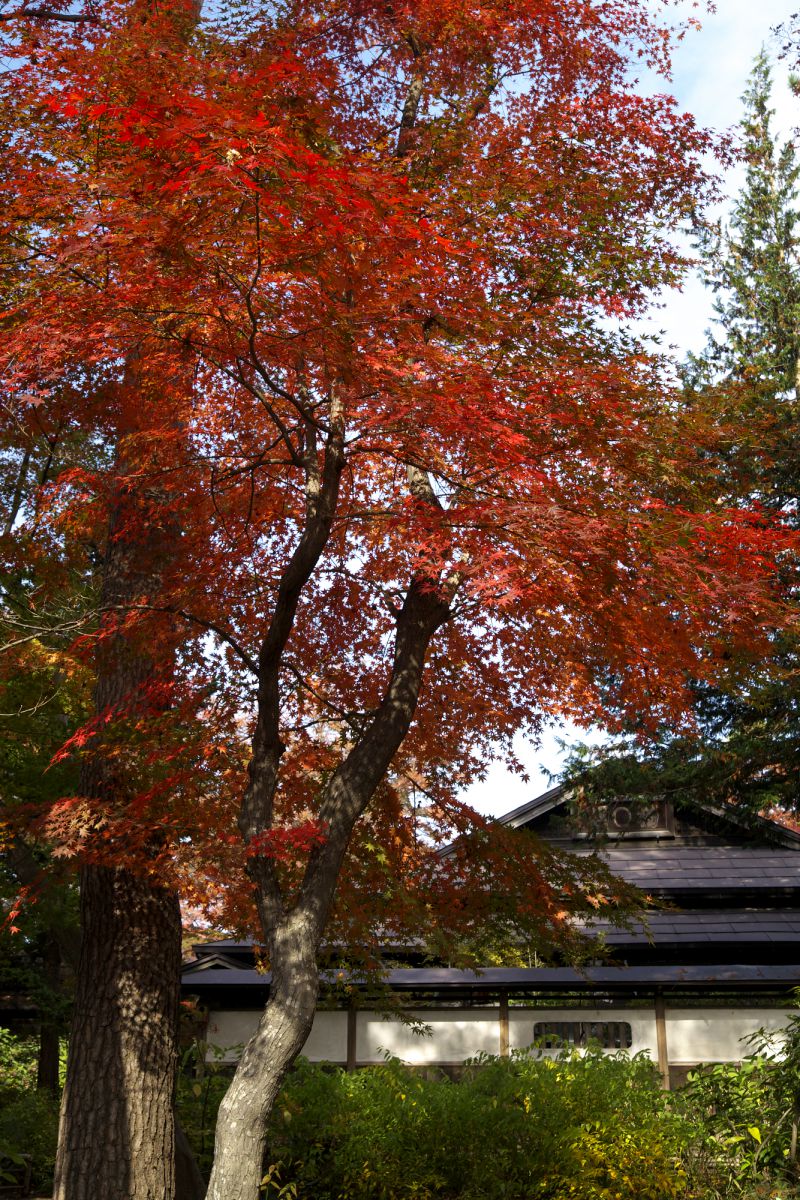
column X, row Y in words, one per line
column 710, row 74
column 710, row 70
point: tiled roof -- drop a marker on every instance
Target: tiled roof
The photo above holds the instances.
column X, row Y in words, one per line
column 421, row 979
column 704, row 868
column 781, row 926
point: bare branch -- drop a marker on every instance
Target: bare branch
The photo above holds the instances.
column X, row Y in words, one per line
column 40, row 631
column 42, row 702
column 204, row 623
column 47, row 14
column 352, row 717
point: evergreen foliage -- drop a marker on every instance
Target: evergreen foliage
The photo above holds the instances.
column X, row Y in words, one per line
column 752, row 264
column 745, row 744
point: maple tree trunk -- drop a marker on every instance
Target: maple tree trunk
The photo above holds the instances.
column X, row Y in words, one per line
column 116, row 1139
column 293, row 931
column 242, row 1120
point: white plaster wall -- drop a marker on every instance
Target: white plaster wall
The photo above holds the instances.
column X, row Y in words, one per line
column 641, row 1020
column 227, row 1032
column 696, row 1035
column 327, row 1041
column 458, row 1033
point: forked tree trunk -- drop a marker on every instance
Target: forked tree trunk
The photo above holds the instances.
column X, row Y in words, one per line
column 117, row 1138
column 242, row 1121
column 293, row 931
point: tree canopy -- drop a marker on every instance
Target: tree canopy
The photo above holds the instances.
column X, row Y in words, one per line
column 342, row 291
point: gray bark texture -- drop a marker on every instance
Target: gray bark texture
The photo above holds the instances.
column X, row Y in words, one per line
column 242, row 1122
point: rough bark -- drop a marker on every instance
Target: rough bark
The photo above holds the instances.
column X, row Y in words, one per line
column 189, row 1183
column 117, row 1129
column 116, row 1137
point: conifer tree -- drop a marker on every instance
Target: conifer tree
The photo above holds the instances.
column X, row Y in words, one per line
column 753, row 267
column 745, row 748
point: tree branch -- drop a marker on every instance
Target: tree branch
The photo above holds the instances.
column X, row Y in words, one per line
column 408, row 117
column 322, row 493
column 210, row 626
column 47, row 14
column 355, row 781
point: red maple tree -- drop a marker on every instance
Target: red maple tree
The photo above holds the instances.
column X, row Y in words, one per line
column 343, row 285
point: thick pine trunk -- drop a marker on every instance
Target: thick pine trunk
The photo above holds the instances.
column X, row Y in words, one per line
column 117, row 1133
column 117, row 1129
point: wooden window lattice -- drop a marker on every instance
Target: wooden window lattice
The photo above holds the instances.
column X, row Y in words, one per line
column 611, row 1035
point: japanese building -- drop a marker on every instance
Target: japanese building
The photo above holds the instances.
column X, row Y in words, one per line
column 717, row 960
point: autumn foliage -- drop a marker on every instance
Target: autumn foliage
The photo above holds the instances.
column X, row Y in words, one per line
column 398, row 237
column 322, row 308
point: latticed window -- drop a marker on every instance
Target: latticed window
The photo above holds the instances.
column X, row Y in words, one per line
column 611, row 1035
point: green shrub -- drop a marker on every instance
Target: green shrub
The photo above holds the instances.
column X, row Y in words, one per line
column 563, row 1127
column 201, row 1086
column 18, row 1058
column 577, row 1127
column 29, row 1126
column 745, row 1120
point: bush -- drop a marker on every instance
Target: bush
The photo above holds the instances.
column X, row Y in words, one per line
column 29, row 1126
column 18, row 1058
column 593, row 1127
column 28, row 1118
column 201, row 1086
column 745, row 1118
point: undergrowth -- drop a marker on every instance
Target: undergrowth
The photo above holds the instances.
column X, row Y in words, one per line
column 570, row 1126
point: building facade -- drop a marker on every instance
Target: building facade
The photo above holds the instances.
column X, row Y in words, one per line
column 715, row 962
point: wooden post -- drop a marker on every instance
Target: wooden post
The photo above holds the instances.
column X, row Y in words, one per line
column 661, row 1040
column 504, row 1028
column 352, row 1035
